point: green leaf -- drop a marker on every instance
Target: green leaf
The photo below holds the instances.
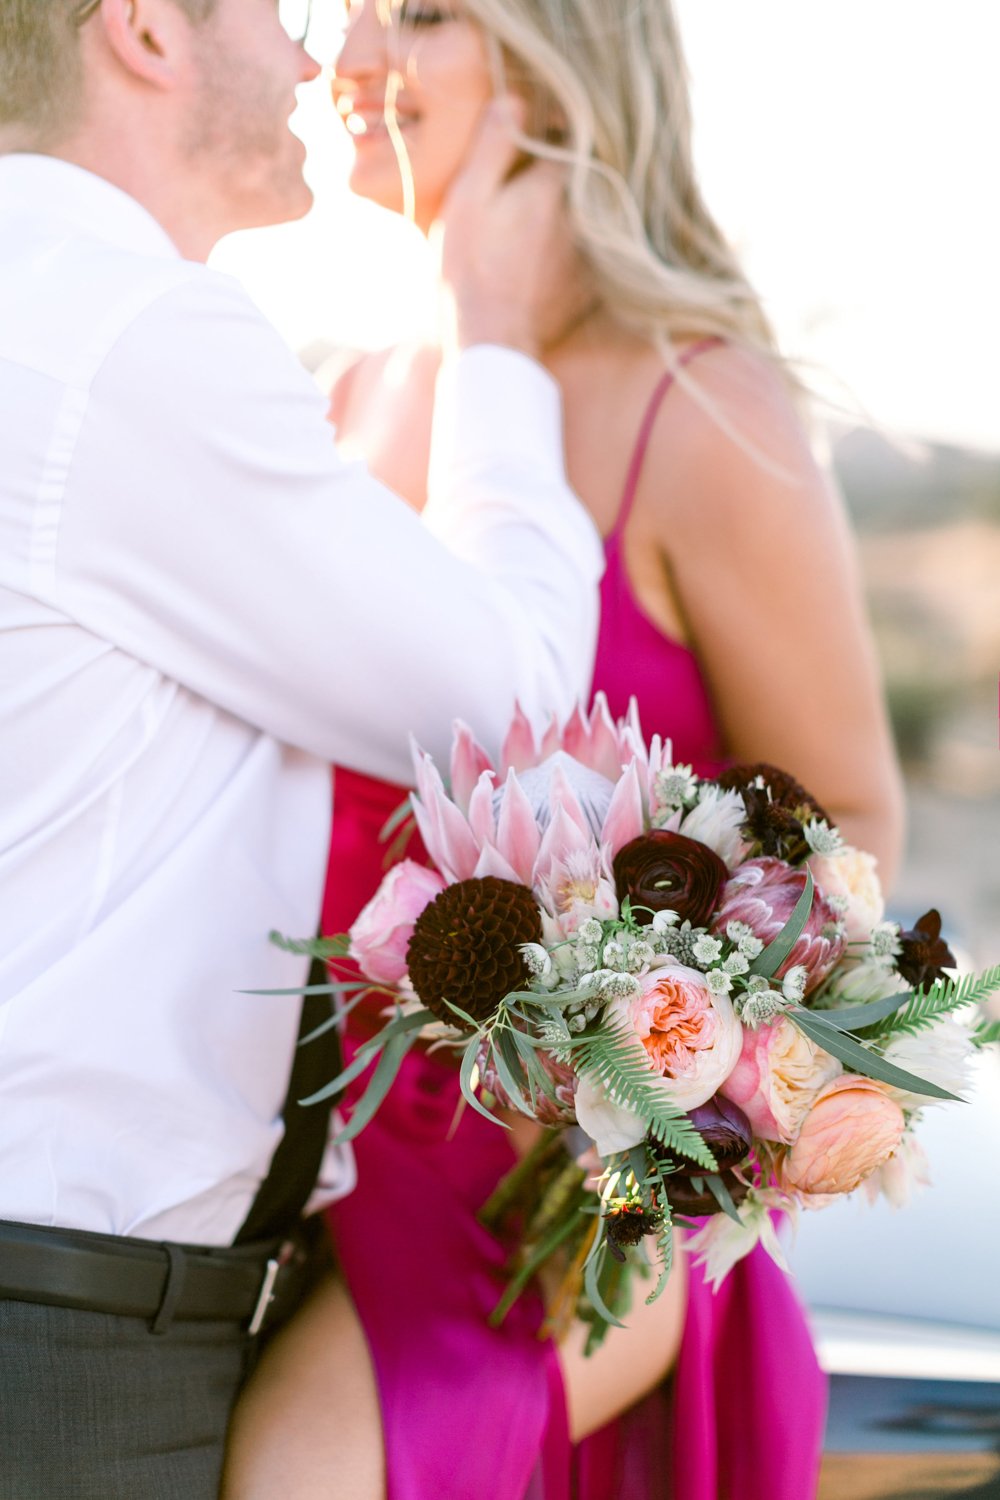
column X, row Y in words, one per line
column 465, row 1083
column 723, row 1197
column 924, row 1006
column 593, row 1266
column 382, row 1080
column 986, row 1033
column 770, row 960
column 533, row 1262
column 395, row 820
column 328, row 947
column 302, row 989
column 861, row 1059
column 664, row 1238
column 506, row 1059
column 400, row 1026
column 863, row 1017
column 614, row 1060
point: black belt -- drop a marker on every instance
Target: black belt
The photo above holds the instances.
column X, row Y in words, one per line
column 157, row 1281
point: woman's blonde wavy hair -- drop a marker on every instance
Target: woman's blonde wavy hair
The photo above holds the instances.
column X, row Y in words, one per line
column 608, row 96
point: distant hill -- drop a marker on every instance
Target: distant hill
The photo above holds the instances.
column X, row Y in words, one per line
column 933, row 485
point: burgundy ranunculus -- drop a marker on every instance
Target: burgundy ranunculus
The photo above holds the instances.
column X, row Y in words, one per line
column 925, row 954
column 665, row 871
column 726, row 1132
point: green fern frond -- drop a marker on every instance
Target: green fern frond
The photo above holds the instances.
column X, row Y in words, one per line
column 927, row 1006
column 986, row 1034
column 612, row 1059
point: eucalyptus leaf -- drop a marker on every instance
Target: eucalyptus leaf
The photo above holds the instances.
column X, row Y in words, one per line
column 505, row 1066
column 395, row 820
column 723, row 1197
column 329, row 947
column 593, row 1266
column 861, row 1059
column 770, row 960
column 860, row 1017
column 465, row 1083
column 382, row 1080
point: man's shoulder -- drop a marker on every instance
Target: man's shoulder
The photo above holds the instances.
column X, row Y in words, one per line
column 67, row 299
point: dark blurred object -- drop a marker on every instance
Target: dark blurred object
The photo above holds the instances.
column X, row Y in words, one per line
column 896, row 1439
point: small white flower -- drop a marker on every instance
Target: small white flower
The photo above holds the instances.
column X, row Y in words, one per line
column 736, row 964
column 719, row 982
column 614, row 954
column 735, row 931
column 707, row 949
column 537, row 960
column 640, row 955
column 587, row 958
column 750, row 946
column 674, row 786
column 664, row 920
column 590, row 931
column 757, row 984
column 793, row 986
column 608, row 984
column 821, row 838
column 761, row 1009
column 885, row 944
column 840, row 904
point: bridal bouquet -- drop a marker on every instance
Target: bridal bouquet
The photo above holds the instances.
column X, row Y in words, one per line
column 687, row 982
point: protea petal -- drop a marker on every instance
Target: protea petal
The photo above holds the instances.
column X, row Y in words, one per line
column 561, row 839
column 447, row 836
column 604, row 749
column 519, row 748
column 492, row 862
column 468, row 761
column 551, row 739
column 624, row 821
column 561, row 794
column 481, row 818
column 517, row 836
column 576, row 735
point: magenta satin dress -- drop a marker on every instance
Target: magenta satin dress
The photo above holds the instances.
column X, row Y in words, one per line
column 475, row 1413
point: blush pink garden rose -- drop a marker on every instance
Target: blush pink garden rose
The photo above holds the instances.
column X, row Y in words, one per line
column 777, row 1077
column 851, row 877
column 763, row 893
column 381, row 934
column 691, row 1039
column 851, row 1129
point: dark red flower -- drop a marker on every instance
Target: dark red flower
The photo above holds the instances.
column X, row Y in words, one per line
column 626, row 1224
column 776, row 813
column 925, row 954
column 465, row 946
column 693, row 1197
column 725, row 1130
column 665, row 871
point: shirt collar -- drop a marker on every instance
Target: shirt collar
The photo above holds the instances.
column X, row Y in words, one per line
column 89, row 202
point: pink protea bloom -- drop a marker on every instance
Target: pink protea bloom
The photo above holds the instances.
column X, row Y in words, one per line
column 381, row 934
column 763, row 893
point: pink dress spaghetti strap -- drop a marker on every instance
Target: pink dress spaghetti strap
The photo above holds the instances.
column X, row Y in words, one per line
column 475, row 1413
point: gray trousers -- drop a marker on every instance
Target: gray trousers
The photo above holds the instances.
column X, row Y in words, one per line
column 95, row 1407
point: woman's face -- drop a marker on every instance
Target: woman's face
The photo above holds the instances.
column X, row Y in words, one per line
column 427, row 69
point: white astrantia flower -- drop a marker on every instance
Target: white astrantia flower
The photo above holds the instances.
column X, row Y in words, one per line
column 716, row 821
column 590, row 931
column 640, row 955
column 737, row 930
column 840, row 904
column 885, row 944
column 756, row 984
column 760, row 1009
column 537, row 960
column 719, row 982
column 736, row 963
column 793, row 986
column 664, row 920
column 609, row 984
column 674, row 787
column 821, row 838
column 940, row 1054
column 587, row 958
column 614, row 954
column 751, row 947
column 707, row 949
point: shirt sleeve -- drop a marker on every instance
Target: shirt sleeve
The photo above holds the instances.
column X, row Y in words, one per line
column 211, row 530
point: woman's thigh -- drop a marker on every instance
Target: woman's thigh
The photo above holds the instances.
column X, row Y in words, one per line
column 307, row 1426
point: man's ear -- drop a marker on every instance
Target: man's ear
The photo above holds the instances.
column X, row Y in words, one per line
column 151, row 39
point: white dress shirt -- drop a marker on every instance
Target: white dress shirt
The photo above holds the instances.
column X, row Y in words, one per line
column 201, row 606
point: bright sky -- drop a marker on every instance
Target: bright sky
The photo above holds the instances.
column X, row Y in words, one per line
column 848, row 147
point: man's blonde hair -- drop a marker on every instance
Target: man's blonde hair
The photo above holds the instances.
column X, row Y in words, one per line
column 40, row 70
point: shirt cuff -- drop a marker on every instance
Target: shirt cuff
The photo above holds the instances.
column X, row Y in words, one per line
column 493, row 403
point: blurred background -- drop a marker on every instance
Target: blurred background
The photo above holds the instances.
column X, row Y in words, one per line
column 848, row 148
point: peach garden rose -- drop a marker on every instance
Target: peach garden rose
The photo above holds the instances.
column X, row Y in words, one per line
column 852, row 1127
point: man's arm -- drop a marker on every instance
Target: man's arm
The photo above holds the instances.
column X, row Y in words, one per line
column 211, row 530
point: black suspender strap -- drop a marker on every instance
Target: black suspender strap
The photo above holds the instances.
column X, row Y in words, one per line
column 295, row 1165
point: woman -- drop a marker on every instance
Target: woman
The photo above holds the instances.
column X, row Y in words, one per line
column 731, row 609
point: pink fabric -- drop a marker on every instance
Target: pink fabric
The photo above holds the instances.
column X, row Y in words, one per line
column 471, row 1411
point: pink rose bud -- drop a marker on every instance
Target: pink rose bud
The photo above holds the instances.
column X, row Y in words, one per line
column 381, row 934
column 763, row 893
column 851, row 1129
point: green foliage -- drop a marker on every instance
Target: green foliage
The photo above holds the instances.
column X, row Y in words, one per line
column 613, row 1059
column 859, row 1058
column 986, row 1034
column 328, row 947
column 773, row 956
column 925, row 1006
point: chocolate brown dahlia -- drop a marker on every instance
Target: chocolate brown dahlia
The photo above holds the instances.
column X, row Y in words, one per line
column 465, row 946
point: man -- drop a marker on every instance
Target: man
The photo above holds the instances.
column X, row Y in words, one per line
column 200, row 608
